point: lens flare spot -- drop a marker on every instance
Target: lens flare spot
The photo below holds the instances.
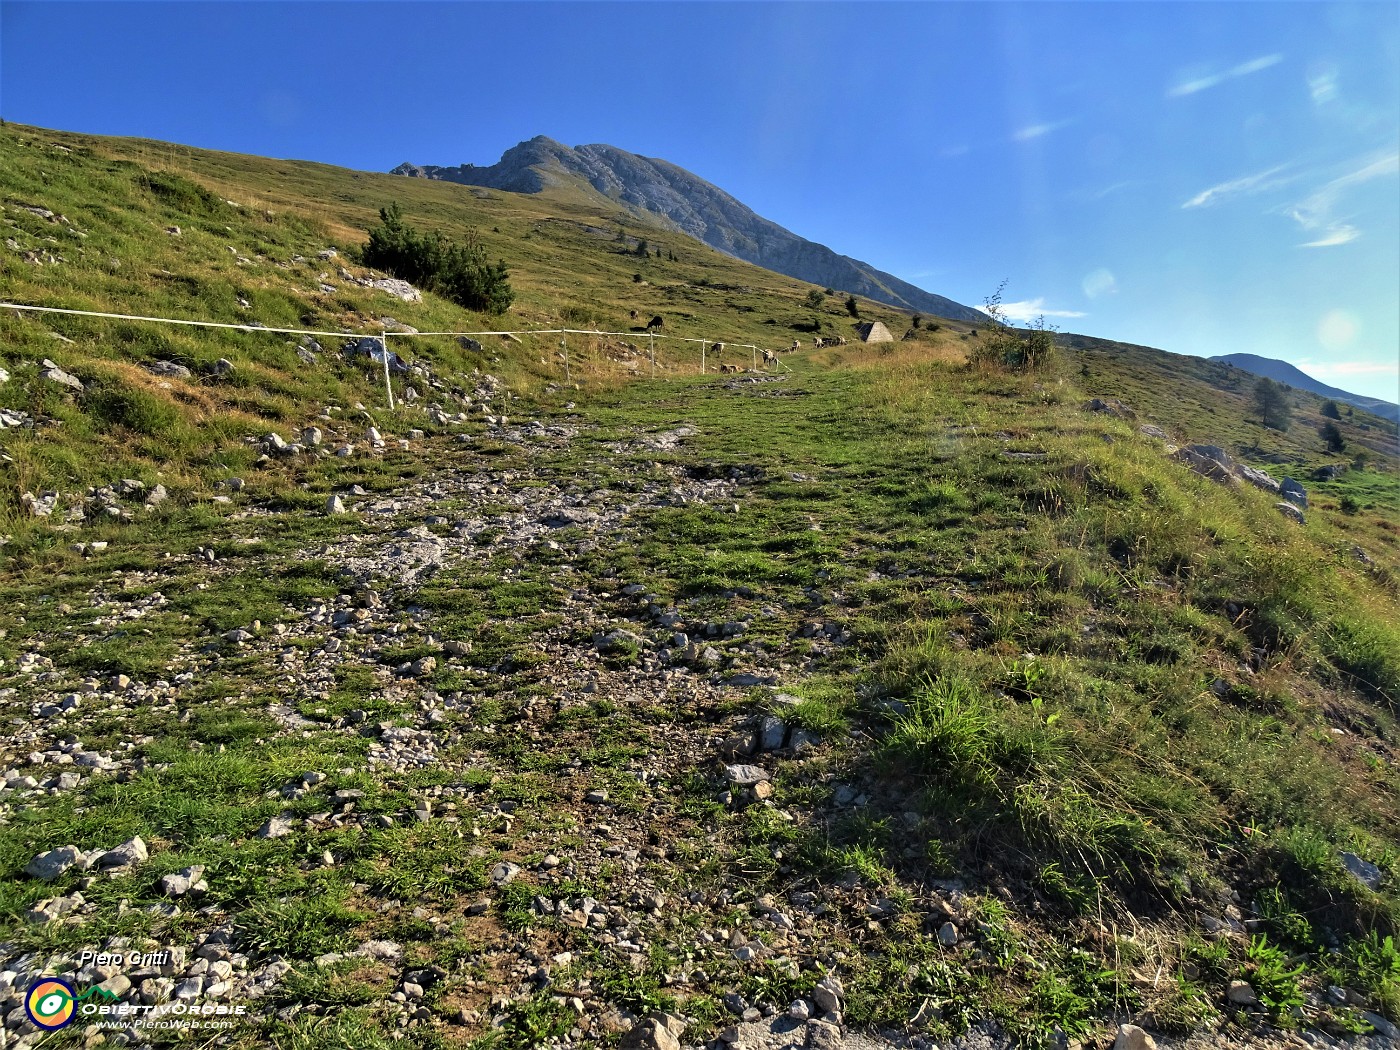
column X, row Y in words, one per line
column 1099, row 282
column 1337, row 330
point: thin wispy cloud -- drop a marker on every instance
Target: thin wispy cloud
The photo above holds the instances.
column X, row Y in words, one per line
column 1342, row 234
column 1030, row 309
column 1203, row 83
column 1316, row 212
column 1036, row 131
column 1093, row 194
column 1109, row 191
column 1254, row 65
column 1257, row 183
column 1322, row 85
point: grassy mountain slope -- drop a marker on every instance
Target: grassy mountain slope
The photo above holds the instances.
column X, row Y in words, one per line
column 1283, row 372
column 250, row 231
column 1115, row 723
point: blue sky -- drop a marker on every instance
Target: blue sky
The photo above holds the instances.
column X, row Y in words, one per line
column 1207, row 178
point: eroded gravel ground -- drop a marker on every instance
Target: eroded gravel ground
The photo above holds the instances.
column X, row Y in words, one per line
column 563, row 787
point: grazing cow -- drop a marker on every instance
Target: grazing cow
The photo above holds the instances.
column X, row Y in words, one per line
column 656, row 322
column 716, row 348
column 634, row 314
column 769, row 358
column 796, row 345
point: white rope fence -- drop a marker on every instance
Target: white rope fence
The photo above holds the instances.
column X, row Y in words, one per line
column 383, row 337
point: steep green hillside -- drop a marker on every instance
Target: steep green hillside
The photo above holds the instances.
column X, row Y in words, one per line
column 251, row 233
column 928, row 695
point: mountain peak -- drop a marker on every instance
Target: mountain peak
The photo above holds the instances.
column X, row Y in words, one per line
column 665, row 194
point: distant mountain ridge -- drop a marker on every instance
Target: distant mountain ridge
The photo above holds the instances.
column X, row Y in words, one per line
column 1283, row 372
column 662, row 192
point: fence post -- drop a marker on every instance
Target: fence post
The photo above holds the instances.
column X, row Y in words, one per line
column 564, row 344
column 755, row 358
column 384, row 352
column 703, row 345
column 651, row 342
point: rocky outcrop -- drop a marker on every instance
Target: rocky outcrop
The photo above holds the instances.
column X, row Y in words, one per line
column 662, row 192
column 1214, row 462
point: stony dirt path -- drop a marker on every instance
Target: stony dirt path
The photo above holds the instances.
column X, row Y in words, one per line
column 537, row 772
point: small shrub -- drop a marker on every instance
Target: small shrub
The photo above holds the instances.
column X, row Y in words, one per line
column 1267, row 969
column 181, row 194
column 1375, row 961
column 302, row 929
column 1370, row 655
column 459, row 272
column 1278, row 913
column 1005, row 347
column 132, row 408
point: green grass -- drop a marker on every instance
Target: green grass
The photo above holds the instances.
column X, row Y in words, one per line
column 1095, row 689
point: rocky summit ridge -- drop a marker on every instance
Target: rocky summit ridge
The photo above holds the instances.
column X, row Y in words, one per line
column 662, row 192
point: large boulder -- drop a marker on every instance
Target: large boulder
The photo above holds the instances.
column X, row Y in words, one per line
column 1206, row 466
column 1260, row 479
column 54, row 374
column 374, row 350
column 1214, row 452
column 49, row 866
column 745, row 775
column 398, row 289
column 1131, row 1037
column 1109, row 407
column 657, row 1032
column 1294, row 493
column 129, row 853
column 169, row 368
column 1363, row 871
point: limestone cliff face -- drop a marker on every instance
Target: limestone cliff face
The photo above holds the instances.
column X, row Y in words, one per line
column 674, row 197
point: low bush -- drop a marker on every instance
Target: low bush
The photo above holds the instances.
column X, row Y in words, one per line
column 460, row 272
